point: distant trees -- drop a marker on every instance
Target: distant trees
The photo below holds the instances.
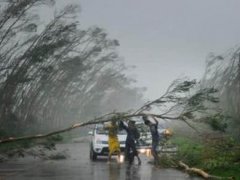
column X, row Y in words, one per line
column 51, row 75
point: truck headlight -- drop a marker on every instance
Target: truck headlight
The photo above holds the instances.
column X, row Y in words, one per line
column 142, row 151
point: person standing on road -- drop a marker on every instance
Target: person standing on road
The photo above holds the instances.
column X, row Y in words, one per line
column 153, row 126
column 113, row 143
column 130, row 144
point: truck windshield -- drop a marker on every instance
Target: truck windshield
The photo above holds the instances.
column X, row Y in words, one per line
column 100, row 130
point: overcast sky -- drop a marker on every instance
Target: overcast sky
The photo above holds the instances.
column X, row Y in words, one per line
column 166, row 39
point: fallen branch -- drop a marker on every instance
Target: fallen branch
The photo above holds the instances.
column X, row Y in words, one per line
column 200, row 172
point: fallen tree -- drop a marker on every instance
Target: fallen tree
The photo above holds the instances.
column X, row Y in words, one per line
column 200, row 172
column 102, row 119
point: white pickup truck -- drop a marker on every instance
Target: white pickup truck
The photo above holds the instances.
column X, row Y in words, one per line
column 99, row 141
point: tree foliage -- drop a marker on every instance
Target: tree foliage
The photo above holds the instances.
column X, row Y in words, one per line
column 223, row 73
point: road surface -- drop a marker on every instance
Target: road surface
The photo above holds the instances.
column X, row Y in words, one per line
column 79, row 167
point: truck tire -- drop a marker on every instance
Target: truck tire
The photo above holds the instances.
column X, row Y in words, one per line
column 93, row 155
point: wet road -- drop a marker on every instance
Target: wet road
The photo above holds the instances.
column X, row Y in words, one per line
column 79, row 167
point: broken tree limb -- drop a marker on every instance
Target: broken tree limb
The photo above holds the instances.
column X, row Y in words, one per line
column 200, row 172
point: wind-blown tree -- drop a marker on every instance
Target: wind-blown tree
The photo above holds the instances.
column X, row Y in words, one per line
column 14, row 49
column 50, row 73
column 223, row 72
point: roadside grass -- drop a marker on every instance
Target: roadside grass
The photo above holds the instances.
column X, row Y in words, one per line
column 24, row 144
column 189, row 151
column 234, row 171
column 217, row 156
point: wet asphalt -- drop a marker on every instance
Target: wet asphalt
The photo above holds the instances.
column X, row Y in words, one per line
column 78, row 166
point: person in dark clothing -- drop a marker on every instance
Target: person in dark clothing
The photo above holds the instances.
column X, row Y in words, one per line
column 155, row 136
column 130, row 145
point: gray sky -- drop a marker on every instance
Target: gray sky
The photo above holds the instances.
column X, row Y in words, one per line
column 166, row 39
